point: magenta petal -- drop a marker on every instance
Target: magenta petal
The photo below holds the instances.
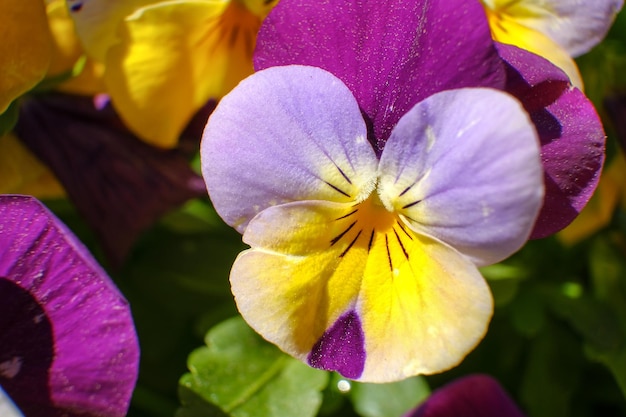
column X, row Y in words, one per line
column 570, row 131
column 118, row 183
column 67, row 339
column 391, row 55
column 341, row 348
column 471, row 396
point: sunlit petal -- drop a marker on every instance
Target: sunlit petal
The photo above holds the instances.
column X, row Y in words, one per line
column 391, row 55
column 172, row 58
column 285, row 134
column 575, row 25
column 469, row 175
column 349, row 288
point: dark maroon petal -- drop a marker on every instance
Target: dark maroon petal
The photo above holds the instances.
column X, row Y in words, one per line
column 471, row 396
column 571, row 134
column 67, row 341
column 341, row 348
column 391, row 54
column 118, row 183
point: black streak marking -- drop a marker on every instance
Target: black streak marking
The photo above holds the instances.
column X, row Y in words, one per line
column 344, row 175
column 351, row 244
column 401, row 245
column 347, row 215
column 405, row 190
column 233, row 36
column 336, row 239
column 411, row 204
column 388, row 253
column 337, row 189
column 369, row 245
column 404, row 230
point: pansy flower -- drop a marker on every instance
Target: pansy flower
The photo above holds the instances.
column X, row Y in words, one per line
column 368, row 194
column 470, row 396
column 165, row 59
column 555, row 29
column 67, row 340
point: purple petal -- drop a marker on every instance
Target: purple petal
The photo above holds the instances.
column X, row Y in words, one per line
column 468, row 175
column 341, row 348
column 391, row 55
column 285, row 134
column 570, row 131
column 471, row 396
column 118, row 183
column 67, row 340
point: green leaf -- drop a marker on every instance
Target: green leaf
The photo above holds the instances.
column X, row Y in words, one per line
column 245, row 376
column 388, row 400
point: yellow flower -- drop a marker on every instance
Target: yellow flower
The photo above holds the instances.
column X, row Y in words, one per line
column 164, row 60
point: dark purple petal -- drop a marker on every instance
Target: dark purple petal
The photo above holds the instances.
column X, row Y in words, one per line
column 570, row 131
column 118, row 183
column 341, row 348
column 470, row 396
column 615, row 106
column 391, row 55
column 67, row 341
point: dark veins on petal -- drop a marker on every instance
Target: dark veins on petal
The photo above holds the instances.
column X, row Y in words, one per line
column 119, row 184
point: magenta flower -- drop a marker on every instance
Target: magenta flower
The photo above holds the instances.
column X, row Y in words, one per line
column 470, row 396
column 393, row 55
column 67, row 341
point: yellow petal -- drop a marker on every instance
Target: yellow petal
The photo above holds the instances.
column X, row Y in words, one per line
column 507, row 29
column 173, row 58
column 421, row 306
column 67, row 51
column 22, row 173
column 25, row 48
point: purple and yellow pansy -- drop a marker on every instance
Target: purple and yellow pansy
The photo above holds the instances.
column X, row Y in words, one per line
column 372, row 165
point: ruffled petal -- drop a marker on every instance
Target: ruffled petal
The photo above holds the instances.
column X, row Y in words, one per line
column 119, row 184
column 285, row 134
column 470, row 176
column 471, row 396
column 390, row 55
column 349, row 288
column 25, row 48
column 68, row 342
column 575, row 25
column 203, row 49
column 570, row 131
